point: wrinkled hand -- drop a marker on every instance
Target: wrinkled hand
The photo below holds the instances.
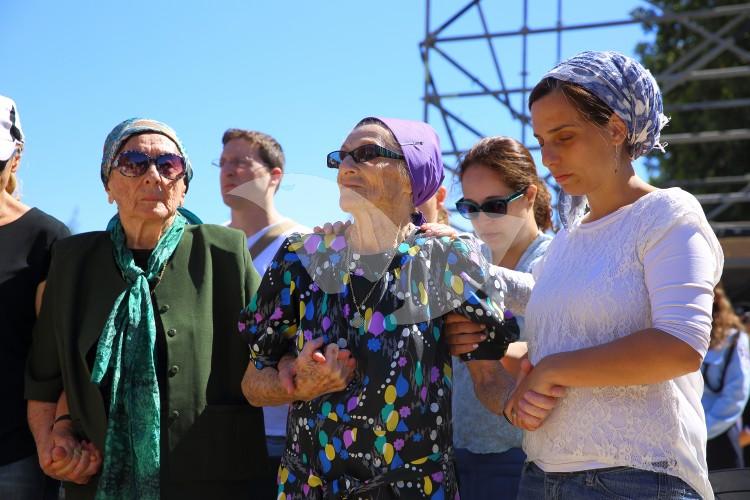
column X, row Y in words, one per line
column 438, row 230
column 463, row 335
column 65, row 458
column 316, row 373
column 336, row 228
column 534, row 397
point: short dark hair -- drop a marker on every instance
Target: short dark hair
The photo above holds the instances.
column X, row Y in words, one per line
column 268, row 148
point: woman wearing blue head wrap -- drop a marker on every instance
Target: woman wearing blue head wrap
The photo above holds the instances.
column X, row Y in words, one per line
column 619, row 309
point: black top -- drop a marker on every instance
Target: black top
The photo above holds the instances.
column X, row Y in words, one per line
column 24, row 260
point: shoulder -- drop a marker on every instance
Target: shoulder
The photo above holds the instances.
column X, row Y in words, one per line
column 671, row 202
column 81, row 243
column 48, row 225
column 461, row 248
column 314, row 244
column 672, row 211
column 663, row 209
column 216, row 236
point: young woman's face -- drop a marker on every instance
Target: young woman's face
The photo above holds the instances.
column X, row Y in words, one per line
column 479, row 183
column 580, row 155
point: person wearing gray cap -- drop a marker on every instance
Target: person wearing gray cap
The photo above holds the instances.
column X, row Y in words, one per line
column 137, row 328
column 26, row 237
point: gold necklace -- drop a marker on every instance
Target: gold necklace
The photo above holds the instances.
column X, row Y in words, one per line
column 161, row 275
column 358, row 319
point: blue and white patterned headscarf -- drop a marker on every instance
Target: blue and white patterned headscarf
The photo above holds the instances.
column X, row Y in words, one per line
column 632, row 93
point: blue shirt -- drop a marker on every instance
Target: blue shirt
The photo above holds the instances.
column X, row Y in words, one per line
column 723, row 409
column 475, row 427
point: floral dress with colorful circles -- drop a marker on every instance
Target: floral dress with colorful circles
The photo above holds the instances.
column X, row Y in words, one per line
column 388, row 433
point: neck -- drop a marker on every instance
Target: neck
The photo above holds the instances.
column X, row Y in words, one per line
column 250, row 217
column 10, row 208
column 620, row 190
column 143, row 234
column 510, row 258
column 378, row 232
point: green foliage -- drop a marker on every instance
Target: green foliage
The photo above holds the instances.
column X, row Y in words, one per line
column 672, row 41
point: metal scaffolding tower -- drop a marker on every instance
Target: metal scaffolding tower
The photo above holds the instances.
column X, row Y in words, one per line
column 445, row 108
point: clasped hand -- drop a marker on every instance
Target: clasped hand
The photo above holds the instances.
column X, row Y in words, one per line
column 315, row 372
column 66, row 458
column 534, row 396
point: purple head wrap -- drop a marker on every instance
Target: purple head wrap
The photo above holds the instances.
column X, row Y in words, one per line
column 421, row 147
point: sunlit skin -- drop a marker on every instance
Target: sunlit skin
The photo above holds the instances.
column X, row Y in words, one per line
column 242, row 164
column 146, row 204
column 373, row 192
column 431, row 208
column 252, row 184
column 10, row 207
column 507, row 236
column 586, row 159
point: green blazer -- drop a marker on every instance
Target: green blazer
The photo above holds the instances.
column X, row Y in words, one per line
column 209, row 431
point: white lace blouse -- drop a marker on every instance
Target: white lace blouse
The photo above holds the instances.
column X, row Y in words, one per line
column 652, row 264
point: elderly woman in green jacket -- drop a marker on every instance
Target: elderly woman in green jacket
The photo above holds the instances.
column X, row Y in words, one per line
column 137, row 327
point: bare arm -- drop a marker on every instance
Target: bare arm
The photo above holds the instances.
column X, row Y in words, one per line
column 311, row 374
column 645, row 357
column 517, row 351
column 492, row 384
column 39, row 295
column 41, row 416
column 266, row 387
column 61, row 455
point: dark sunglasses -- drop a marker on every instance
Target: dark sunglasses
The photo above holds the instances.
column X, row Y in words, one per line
column 361, row 154
column 497, row 206
column 136, row 163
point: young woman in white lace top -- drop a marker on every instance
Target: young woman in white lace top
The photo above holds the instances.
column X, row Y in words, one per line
column 619, row 309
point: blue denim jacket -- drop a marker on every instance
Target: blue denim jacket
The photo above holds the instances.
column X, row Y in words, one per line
column 474, row 427
column 723, row 409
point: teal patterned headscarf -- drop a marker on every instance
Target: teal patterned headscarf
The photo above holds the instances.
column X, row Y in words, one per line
column 134, row 126
column 125, row 353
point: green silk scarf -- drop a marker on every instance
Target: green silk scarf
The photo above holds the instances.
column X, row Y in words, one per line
column 126, row 355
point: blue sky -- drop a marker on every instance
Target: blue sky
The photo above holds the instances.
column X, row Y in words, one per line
column 304, row 72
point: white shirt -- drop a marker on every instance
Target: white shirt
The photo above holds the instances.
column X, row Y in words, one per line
column 652, row 264
column 274, row 416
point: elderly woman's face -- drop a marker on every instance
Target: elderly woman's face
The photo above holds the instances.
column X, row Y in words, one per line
column 149, row 196
column 380, row 183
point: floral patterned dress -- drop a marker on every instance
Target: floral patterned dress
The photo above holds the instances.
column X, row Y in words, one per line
column 388, row 433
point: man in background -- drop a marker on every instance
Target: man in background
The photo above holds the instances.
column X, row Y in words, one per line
column 252, row 168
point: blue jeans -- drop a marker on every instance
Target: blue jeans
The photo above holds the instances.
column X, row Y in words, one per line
column 24, row 480
column 490, row 476
column 602, row 484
